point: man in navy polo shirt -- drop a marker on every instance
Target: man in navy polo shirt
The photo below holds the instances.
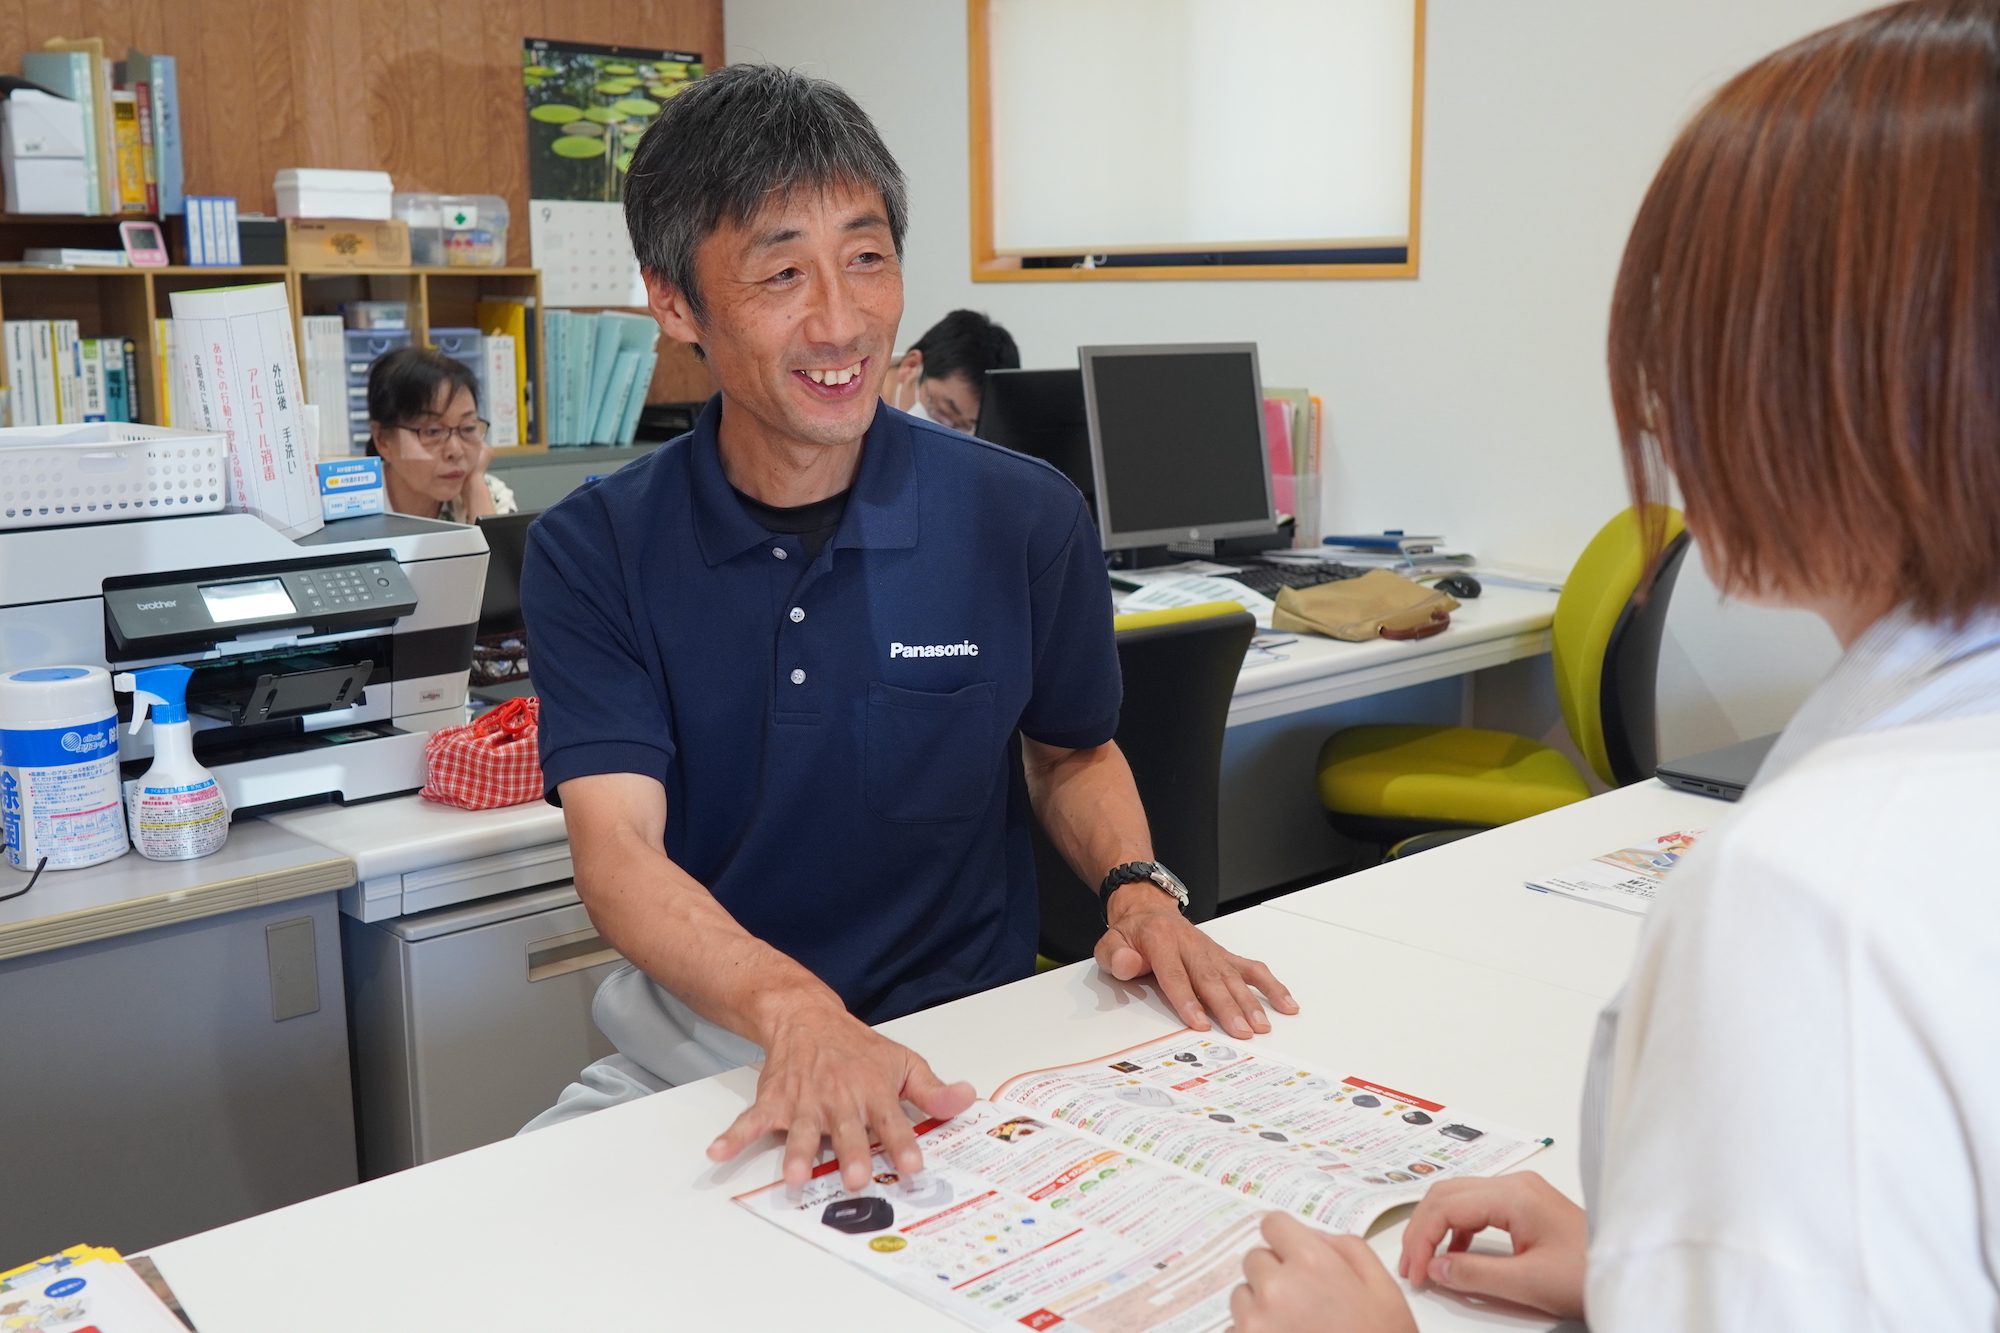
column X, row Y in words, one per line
column 783, row 661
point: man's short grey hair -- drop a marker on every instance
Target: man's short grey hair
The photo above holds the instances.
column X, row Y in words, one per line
column 744, row 137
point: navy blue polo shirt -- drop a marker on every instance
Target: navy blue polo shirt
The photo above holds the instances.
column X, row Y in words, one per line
column 834, row 736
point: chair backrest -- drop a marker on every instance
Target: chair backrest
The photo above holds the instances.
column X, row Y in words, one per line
column 1607, row 646
column 1179, row 672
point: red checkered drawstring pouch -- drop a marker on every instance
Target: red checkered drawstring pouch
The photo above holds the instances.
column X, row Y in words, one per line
column 487, row 763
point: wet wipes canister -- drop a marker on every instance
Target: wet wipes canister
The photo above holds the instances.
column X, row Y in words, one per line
column 59, row 792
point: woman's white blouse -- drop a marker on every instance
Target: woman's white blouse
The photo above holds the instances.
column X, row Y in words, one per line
column 1794, row 1114
column 503, row 501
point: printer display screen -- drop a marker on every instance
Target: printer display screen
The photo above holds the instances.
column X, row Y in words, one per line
column 228, row 602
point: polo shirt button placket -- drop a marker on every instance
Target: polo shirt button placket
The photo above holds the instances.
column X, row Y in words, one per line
column 798, row 676
column 798, row 614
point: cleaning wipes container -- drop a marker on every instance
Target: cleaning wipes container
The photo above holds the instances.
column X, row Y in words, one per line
column 177, row 811
column 59, row 767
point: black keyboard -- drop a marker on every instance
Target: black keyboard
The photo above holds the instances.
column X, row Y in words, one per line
column 1272, row 577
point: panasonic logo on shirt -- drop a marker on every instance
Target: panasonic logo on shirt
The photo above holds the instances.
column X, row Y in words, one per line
column 960, row 649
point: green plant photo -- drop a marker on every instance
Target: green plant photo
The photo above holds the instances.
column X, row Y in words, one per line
column 587, row 107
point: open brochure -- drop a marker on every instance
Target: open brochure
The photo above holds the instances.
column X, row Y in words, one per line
column 1120, row 1195
column 1627, row 879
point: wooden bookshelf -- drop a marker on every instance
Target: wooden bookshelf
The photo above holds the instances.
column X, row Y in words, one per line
column 124, row 302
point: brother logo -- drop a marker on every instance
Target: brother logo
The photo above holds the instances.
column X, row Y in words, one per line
column 156, row 606
column 960, row 649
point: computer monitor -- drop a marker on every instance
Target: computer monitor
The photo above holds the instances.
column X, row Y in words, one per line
column 1177, row 443
column 506, row 543
column 1040, row 413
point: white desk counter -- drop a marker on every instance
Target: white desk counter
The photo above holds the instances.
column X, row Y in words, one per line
column 411, row 855
column 1500, row 626
column 1467, row 900
column 619, row 1221
column 259, row 864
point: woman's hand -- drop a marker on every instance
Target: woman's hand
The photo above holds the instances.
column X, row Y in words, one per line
column 1545, row 1271
column 1310, row 1281
column 475, row 501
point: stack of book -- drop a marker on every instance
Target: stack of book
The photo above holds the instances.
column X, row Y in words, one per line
column 131, row 126
column 599, row 368
column 1415, row 556
column 512, row 317
column 89, row 1289
column 61, row 379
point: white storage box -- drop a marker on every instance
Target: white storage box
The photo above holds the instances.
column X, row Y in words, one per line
column 104, row 471
column 318, row 192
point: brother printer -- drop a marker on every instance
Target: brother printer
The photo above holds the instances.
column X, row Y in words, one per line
column 321, row 664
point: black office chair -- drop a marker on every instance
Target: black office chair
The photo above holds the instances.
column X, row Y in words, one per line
column 1180, row 670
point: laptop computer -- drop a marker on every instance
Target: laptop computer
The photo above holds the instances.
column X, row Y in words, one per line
column 1722, row 773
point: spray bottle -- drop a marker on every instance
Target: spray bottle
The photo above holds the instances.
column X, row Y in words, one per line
column 176, row 810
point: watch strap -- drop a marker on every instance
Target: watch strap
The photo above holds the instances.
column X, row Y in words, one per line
column 1132, row 872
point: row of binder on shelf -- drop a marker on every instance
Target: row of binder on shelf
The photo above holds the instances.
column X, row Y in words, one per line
column 57, row 378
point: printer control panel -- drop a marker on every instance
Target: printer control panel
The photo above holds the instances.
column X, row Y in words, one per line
column 205, row 607
column 350, row 587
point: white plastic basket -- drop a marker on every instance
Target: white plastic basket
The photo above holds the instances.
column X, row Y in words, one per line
column 104, row 471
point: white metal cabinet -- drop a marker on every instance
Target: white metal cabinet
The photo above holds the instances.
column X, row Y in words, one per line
column 468, row 1020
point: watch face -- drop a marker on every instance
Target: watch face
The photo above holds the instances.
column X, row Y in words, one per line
column 1169, row 881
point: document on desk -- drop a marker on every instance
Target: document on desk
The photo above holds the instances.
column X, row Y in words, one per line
column 1194, row 589
column 1120, row 1195
column 1626, row 880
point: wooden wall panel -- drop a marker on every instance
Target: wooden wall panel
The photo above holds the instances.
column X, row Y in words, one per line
column 427, row 90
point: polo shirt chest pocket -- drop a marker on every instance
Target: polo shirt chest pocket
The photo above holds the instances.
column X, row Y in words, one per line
column 931, row 757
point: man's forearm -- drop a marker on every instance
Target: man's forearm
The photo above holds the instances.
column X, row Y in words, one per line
column 1088, row 806
column 665, row 922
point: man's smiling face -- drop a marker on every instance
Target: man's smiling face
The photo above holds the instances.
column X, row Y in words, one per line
column 800, row 311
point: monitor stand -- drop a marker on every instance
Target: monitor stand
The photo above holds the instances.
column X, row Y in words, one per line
column 1224, row 549
column 1142, row 557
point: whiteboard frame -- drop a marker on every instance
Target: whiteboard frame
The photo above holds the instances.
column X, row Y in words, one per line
column 989, row 266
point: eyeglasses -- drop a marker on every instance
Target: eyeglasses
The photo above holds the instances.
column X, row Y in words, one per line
column 432, row 438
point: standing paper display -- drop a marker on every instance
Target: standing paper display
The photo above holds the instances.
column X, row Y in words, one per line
column 238, row 373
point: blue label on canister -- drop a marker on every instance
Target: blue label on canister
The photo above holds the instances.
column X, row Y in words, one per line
column 54, row 746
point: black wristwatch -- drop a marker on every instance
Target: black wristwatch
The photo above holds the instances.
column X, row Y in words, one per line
column 1131, row 873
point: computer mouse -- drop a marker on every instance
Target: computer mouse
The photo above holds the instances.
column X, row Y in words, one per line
column 1463, row 586
column 857, row 1217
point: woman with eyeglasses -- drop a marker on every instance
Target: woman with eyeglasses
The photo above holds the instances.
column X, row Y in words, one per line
column 423, row 423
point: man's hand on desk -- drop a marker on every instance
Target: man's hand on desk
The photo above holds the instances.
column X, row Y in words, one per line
column 1197, row 976
column 827, row 1074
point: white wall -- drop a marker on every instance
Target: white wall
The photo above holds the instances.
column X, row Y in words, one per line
column 1471, row 400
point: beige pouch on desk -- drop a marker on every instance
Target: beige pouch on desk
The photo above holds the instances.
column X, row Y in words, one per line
column 1380, row 602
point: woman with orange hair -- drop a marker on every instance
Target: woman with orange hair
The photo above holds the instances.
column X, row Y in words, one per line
column 1806, row 337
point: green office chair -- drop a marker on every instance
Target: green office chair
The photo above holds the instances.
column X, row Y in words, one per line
column 1180, row 670
column 1387, row 784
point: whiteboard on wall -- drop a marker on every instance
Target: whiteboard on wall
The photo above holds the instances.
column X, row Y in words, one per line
column 1125, row 126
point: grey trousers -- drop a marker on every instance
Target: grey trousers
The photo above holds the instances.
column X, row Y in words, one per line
column 661, row 1044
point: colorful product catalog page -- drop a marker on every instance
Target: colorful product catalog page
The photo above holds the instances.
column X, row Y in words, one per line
column 1119, row 1196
